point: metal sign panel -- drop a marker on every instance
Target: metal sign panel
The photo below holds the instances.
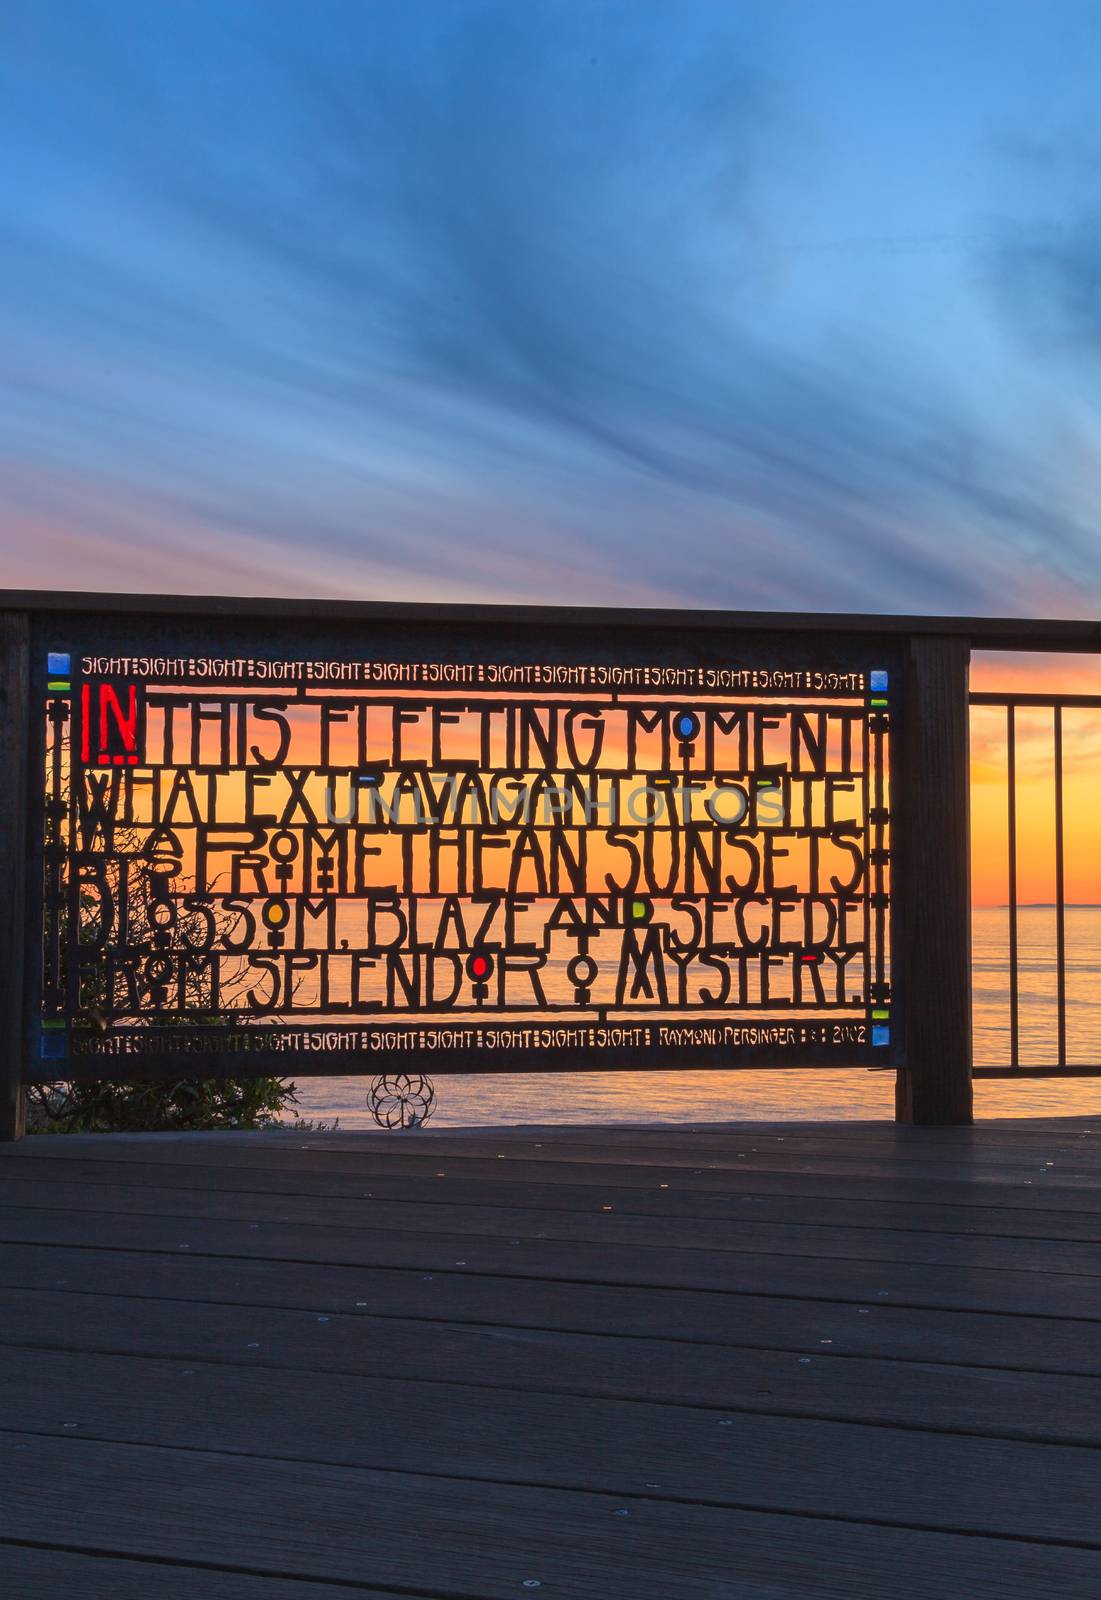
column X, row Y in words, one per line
column 320, row 848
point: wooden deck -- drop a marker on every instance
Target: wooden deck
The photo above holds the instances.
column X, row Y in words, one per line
column 591, row 1363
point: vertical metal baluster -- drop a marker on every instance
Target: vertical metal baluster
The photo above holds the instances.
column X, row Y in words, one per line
column 1060, row 907
column 1011, row 738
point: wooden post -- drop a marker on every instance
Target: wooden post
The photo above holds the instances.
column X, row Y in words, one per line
column 14, row 701
column 933, row 885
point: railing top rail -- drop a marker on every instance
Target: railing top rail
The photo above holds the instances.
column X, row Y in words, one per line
column 1003, row 698
column 1006, row 633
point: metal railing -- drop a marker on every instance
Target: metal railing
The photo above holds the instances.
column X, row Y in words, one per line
column 925, row 659
column 1057, row 704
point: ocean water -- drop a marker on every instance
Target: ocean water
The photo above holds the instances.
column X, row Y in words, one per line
column 814, row 1094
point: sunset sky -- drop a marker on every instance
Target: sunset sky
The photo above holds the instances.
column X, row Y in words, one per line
column 775, row 303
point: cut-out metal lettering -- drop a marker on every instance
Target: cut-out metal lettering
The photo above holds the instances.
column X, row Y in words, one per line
column 311, row 858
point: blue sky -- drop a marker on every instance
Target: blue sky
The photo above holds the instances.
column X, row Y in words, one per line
column 784, row 304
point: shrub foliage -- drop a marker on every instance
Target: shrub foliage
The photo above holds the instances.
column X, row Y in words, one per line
column 142, row 1107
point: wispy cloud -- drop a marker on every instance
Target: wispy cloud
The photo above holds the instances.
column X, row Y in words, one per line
column 481, row 300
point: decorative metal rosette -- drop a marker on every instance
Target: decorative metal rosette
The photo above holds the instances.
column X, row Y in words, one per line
column 401, row 1100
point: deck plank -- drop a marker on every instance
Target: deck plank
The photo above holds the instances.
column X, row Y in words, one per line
column 875, row 1327
column 1031, row 1184
column 792, row 1197
column 904, row 1150
column 935, row 1160
column 479, row 1540
column 923, row 1394
column 898, row 1274
column 31, row 1573
column 715, row 1363
column 742, row 1229
column 739, row 1460
column 975, row 1161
